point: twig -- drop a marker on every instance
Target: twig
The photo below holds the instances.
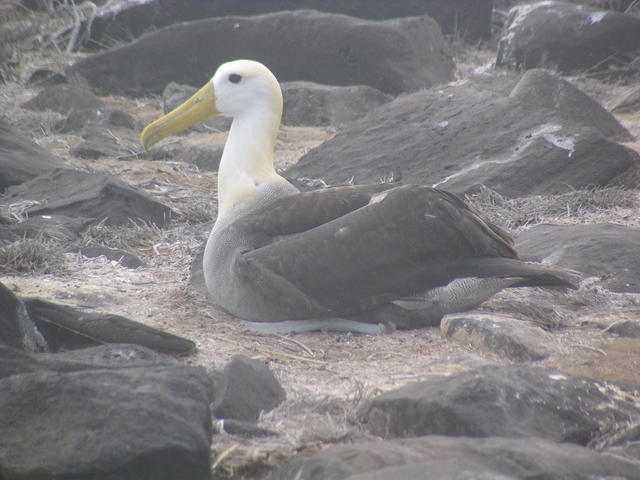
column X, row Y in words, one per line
column 296, row 342
column 77, row 23
column 601, row 352
column 290, row 355
column 223, row 455
column 630, row 7
column 614, row 324
column 270, row 352
column 387, row 354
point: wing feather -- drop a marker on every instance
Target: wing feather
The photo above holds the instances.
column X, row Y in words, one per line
column 358, row 253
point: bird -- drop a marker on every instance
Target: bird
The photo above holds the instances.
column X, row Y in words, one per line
column 359, row 258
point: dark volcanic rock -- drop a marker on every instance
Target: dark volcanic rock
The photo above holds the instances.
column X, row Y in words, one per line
column 126, row 259
column 106, row 355
column 567, row 37
column 504, row 336
column 307, row 103
column 626, row 328
column 78, row 104
column 205, row 157
column 56, row 227
column 13, row 362
column 91, row 195
column 508, row 401
column 611, row 252
column 100, row 141
column 67, row 328
column 117, row 118
column 546, row 90
column 459, row 458
column 63, row 99
column 467, row 19
column 440, row 137
column 17, row 330
column 44, row 77
column 393, row 56
column 552, row 162
column 127, row 423
column 105, row 117
column 247, row 388
column 20, row 158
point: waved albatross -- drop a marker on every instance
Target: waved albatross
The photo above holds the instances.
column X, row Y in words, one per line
column 360, row 258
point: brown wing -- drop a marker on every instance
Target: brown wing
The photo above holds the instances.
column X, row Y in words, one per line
column 304, row 211
column 367, row 245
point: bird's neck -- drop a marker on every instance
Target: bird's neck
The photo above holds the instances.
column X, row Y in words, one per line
column 247, row 160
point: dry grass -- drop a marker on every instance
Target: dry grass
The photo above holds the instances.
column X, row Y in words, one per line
column 515, row 213
column 136, row 236
column 172, row 247
column 470, row 59
column 32, row 257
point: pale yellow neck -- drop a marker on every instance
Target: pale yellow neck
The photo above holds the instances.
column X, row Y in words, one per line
column 247, row 160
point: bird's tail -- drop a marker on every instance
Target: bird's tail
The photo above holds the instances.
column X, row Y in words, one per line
column 532, row 274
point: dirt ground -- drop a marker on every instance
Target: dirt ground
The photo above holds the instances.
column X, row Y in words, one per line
column 325, row 374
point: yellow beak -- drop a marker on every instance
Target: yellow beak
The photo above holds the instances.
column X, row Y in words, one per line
column 199, row 107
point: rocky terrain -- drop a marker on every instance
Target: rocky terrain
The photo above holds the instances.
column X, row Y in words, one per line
column 113, row 363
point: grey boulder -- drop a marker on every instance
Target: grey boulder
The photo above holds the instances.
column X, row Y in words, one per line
column 90, row 195
column 55, row 227
column 21, row 159
column 77, row 104
column 67, row 328
column 247, row 387
column 440, row 137
column 394, row 56
column 17, row 330
column 507, row 337
column 466, row 19
column 567, row 37
column 506, row 401
column 307, row 103
column 457, row 458
column 136, row 422
column 611, row 252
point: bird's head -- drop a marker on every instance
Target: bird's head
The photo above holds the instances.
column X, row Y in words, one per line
column 237, row 88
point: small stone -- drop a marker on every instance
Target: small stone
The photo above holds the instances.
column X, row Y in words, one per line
column 17, row 330
column 626, row 328
column 248, row 388
column 20, row 158
column 497, row 334
column 124, row 258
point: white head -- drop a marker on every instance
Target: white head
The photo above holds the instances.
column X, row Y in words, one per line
column 237, row 89
column 244, row 85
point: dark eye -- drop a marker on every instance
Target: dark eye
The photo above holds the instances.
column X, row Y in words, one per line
column 235, row 78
